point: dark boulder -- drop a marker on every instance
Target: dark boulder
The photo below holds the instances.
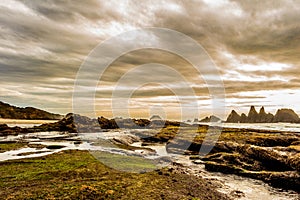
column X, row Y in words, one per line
column 107, row 123
column 6, row 130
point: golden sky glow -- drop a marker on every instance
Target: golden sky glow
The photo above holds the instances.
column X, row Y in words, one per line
column 254, row 44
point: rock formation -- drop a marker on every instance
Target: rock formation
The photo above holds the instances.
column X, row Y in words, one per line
column 211, row 118
column 262, row 116
column 286, row 115
column 72, row 123
column 233, row 117
column 282, row 115
column 252, row 115
column 6, row 130
column 12, row 112
column 270, row 156
column 107, row 123
column 243, row 118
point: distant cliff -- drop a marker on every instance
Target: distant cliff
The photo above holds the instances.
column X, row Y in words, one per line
column 282, row 115
column 12, row 112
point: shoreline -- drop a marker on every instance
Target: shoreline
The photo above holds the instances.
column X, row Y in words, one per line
column 25, row 121
column 274, row 127
column 268, row 155
column 233, row 186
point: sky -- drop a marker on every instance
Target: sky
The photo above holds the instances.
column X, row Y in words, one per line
column 253, row 44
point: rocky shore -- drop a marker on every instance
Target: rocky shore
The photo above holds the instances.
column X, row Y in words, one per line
column 271, row 156
column 74, row 123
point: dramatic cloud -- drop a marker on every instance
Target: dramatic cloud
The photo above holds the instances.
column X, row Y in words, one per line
column 254, row 44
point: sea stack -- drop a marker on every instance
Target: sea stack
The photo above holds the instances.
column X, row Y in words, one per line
column 252, row 115
column 233, row 117
column 286, row 115
column 263, row 117
column 244, row 118
column 282, row 115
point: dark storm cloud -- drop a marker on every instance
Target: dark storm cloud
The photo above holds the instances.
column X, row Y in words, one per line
column 43, row 43
column 36, row 49
column 268, row 30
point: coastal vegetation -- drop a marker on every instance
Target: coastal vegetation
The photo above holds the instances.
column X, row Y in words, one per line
column 77, row 174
